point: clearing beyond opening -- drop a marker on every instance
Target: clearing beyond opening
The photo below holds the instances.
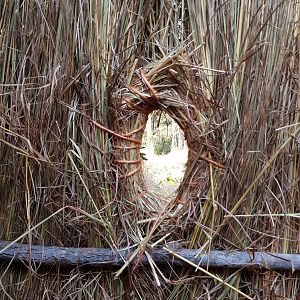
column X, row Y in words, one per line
column 164, row 153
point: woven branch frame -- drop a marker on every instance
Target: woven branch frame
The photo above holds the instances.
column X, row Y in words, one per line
column 160, row 87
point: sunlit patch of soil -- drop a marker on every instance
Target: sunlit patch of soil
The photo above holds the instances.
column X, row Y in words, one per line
column 163, row 173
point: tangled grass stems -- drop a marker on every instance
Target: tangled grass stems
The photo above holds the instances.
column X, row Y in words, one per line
column 226, row 71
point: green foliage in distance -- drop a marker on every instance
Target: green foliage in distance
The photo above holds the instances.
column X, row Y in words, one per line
column 162, row 144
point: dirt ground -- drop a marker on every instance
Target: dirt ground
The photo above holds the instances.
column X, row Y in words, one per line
column 163, row 173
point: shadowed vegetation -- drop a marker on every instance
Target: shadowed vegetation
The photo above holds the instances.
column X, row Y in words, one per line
column 78, row 80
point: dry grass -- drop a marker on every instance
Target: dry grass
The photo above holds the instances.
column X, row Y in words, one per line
column 77, row 82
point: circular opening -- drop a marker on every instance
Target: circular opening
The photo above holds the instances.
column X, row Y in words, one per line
column 164, row 154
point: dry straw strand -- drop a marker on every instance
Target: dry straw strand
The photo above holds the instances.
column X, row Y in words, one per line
column 78, row 80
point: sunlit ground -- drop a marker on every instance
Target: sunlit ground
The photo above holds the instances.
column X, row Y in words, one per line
column 163, row 173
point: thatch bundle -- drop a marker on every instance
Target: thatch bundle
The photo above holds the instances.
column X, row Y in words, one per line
column 78, row 80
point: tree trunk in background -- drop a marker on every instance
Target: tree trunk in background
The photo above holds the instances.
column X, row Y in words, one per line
column 174, row 144
column 149, row 144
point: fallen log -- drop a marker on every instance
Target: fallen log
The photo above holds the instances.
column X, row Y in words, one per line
column 104, row 257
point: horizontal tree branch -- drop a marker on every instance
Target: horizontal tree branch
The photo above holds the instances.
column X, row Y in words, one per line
column 102, row 257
